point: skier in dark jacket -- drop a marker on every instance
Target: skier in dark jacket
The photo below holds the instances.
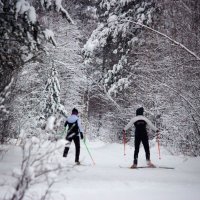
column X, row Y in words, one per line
column 74, row 130
column 141, row 135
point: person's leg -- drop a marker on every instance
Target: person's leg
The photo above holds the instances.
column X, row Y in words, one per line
column 137, row 148
column 77, row 146
column 145, row 142
column 67, row 146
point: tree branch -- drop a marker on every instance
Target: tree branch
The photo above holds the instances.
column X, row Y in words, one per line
column 164, row 35
column 177, row 92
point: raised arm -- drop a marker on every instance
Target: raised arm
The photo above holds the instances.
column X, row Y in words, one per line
column 132, row 121
column 150, row 124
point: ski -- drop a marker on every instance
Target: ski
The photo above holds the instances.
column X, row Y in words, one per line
column 160, row 167
column 146, row 167
column 81, row 164
column 125, row 167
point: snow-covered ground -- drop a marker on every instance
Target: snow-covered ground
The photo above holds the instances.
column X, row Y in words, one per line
column 106, row 180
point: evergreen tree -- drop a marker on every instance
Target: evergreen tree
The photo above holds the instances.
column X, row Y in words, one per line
column 53, row 107
column 22, row 38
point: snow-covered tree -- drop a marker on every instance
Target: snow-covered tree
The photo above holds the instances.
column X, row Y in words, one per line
column 22, row 39
column 26, row 110
column 53, row 106
column 53, row 93
column 143, row 58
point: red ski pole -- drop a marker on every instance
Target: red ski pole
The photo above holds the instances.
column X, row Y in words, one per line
column 124, row 139
column 158, row 142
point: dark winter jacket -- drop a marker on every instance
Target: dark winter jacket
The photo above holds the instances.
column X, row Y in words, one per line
column 140, row 123
column 74, row 125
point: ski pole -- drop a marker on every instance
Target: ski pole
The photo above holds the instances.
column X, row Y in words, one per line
column 63, row 132
column 158, row 142
column 68, row 131
column 124, row 139
column 88, row 151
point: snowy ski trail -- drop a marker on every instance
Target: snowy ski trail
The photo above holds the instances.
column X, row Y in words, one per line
column 106, row 181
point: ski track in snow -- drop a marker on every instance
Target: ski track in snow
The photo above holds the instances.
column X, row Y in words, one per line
column 106, row 180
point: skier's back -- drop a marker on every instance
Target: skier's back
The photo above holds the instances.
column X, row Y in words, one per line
column 74, row 130
column 140, row 122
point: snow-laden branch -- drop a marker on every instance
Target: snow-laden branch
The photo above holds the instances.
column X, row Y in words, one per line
column 57, row 4
column 59, row 7
column 164, row 35
column 182, row 96
column 4, row 95
column 177, row 92
column 39, row 165
column 108, row 96
column 49, row 35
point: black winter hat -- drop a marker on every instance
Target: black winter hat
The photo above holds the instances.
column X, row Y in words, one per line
column 140, row 111
column 75, row 111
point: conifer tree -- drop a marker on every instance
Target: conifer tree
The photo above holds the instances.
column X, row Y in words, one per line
column 53, row 106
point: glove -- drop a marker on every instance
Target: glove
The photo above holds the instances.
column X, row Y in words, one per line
column 81, row 134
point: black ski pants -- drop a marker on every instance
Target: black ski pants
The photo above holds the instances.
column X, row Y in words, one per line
column 145, row 141
column 76, row 140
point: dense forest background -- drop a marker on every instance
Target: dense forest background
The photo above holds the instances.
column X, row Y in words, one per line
column 106, row 58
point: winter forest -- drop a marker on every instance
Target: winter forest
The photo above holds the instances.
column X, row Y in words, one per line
column 106, row 58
